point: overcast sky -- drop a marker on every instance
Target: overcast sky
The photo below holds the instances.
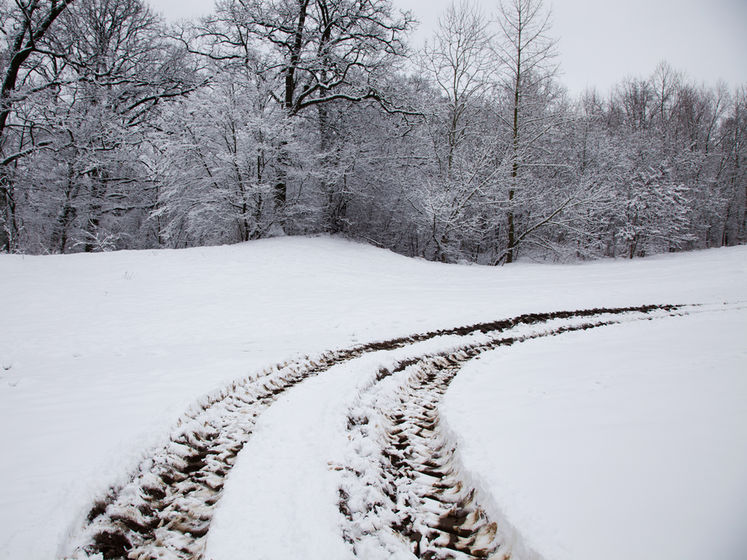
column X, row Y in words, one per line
column 602, row 41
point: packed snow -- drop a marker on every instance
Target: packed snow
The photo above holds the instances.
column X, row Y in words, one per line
column 101, row 354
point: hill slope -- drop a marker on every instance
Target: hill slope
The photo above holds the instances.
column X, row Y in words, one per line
column 101, row 354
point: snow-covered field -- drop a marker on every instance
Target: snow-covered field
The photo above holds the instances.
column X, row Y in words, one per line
column 617, row 443
column 625, row 440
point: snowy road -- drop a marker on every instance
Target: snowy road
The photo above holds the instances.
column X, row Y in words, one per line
column 277, row 498
column 280, row 497
column 281, row 453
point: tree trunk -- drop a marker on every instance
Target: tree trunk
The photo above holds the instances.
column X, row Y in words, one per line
column 289, row 102
column 511, row 228
column 515, row 155
column 9, row 230
column 60, row 232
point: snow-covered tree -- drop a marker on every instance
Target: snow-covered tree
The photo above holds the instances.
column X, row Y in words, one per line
column 460, row 64
column 221, row 148
column 27, row 67
column 315, row 52
column 528, row 57
column 90, row 188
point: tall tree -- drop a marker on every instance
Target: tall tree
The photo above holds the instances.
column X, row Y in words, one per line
column 528, row 55
column 734, row 171
column 316, row 52
column 25, row 26
column 459, row 61
column 116, row 70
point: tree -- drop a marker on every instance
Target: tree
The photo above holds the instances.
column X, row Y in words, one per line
column 733, row 170
column 315, row 52
column 121, row 69
column 25, row 27
column 221, row 147
column 90, row 184
column 528, row 55
column 460, row 63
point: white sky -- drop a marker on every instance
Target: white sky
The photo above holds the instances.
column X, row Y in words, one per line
column 602, row 41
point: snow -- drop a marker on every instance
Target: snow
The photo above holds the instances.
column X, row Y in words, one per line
column 631, row 440
column 283, row 480
column 101, row 354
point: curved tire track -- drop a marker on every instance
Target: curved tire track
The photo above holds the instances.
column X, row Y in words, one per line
column 407, row 467
column 165, row 510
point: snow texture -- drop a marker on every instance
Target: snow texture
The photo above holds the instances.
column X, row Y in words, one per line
column 628, row 441
column 102, row 354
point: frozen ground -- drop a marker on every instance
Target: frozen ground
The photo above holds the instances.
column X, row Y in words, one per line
column 630, row 440
column 101, row 354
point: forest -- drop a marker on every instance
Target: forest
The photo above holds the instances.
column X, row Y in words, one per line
column 119, row 130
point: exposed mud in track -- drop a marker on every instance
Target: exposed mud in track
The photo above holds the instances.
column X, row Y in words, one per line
column 408, row 473
column 166, row 509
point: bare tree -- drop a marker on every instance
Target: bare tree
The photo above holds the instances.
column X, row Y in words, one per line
column 24, row 28
column 315, row 51
column 459, row 61
column 528, row 55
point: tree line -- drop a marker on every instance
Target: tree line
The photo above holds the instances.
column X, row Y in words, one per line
column 284, row 117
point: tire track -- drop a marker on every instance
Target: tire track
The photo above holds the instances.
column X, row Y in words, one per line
column 406, row 468
column 165, row 510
